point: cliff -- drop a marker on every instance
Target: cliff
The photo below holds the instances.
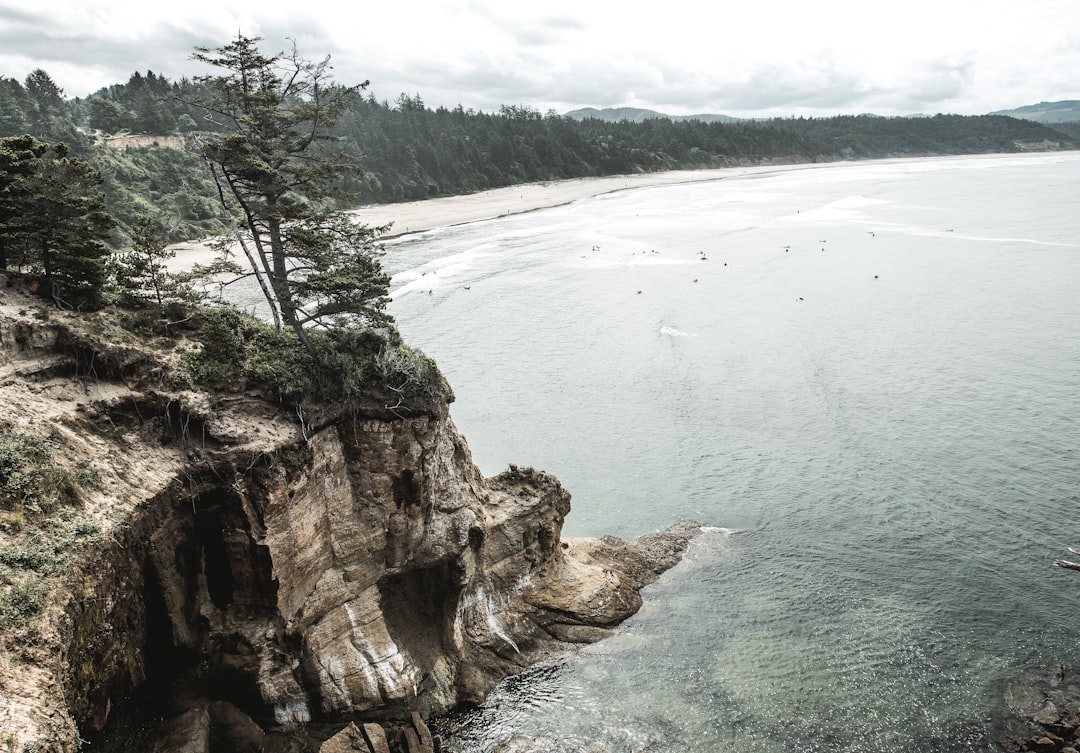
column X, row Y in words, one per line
column 352, row 564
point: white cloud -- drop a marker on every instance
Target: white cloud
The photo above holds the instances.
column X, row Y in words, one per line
column 761, row 58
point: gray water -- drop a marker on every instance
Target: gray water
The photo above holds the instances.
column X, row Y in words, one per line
column 864, row 380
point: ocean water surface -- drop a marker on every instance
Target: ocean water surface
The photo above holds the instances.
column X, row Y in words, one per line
column 864, row 379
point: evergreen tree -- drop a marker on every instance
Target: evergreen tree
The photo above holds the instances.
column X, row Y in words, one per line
column 52, row 218
column 46, row 101
column 274, row 165
column 106, row 114
column 140, row 275
column 19, row 158
column 13, row 107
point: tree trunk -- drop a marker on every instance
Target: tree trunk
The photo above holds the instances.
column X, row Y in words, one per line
column 280, row 282
column 270, row 301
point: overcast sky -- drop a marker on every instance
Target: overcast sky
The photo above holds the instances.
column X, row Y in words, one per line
column 748, row 58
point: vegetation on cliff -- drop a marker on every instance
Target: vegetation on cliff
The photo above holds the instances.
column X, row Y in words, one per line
column 277, row 179
column 236, row 351
column 52, row 479
column 38, row 493
column 348, row 358
column 272, row 180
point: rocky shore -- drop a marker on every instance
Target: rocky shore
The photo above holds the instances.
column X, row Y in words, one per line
column 255, row 567
column 1046, row 709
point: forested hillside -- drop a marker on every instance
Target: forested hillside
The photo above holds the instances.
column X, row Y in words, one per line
column 411, row 151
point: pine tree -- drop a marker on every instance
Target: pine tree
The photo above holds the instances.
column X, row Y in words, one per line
column 46, row 101
column 274, row 166
column 52, row 219
column 13, row 107
column 140, row 274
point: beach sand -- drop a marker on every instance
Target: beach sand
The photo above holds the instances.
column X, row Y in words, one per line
column 418, row 216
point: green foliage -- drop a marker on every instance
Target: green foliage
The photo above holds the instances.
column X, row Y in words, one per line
column 139, row 276
column 338, row 280
column 409, row 373
column 171, row 184
column 45, row 548
column 362, row 363
column 28, row 560
column 239, row 352
column 13, row 107
column 21, row 602
column 34, row 482
column 30, row 476
column 52, row 219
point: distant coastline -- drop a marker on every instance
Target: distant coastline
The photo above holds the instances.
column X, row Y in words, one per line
column 428, row 214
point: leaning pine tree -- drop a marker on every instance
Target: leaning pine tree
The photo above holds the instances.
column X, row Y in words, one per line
column 272, row 157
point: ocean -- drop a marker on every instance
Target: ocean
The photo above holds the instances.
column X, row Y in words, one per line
column 862, row 379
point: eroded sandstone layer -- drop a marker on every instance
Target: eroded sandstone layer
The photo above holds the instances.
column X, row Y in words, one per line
column 329, row 564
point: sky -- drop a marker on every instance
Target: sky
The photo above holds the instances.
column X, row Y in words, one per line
column 746, row 58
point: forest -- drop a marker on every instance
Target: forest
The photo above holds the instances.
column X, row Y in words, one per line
column 409, row 151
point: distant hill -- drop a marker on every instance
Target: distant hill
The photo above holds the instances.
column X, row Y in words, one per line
column 1065, row 111
column 637, row 115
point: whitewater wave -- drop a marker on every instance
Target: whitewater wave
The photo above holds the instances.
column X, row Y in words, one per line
column 450, row 271
column 847, row 209
column 719, row 530
column 672, row 332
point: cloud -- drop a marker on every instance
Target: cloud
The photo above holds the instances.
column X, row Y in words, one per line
column 773, row 57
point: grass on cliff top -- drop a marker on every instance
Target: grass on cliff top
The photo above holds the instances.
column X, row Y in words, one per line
column 39, row 524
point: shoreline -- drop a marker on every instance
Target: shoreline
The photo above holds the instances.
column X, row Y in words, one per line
column 428, row 214
column 409, row 217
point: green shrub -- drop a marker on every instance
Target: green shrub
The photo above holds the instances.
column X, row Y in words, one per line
column 21, row 602
column 410, row 373
column 44, row 549
column 29, row 475
column 242, row 352
column 348, row 364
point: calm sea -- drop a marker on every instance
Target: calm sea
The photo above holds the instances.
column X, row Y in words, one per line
column 865, row 379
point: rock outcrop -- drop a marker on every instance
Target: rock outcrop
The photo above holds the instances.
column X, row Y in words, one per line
column 1046, row 712
column 345, row 564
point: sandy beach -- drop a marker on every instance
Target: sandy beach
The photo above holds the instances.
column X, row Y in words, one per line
column 418, row 216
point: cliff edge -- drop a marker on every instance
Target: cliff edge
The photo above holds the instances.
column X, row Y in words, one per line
column 314, row 563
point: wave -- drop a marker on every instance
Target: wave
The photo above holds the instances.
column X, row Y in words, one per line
column 720, row 530
column 450, row 271
column 847, row 209
column 672, row 332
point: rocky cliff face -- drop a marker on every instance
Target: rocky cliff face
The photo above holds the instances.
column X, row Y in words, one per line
column 353, row 566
